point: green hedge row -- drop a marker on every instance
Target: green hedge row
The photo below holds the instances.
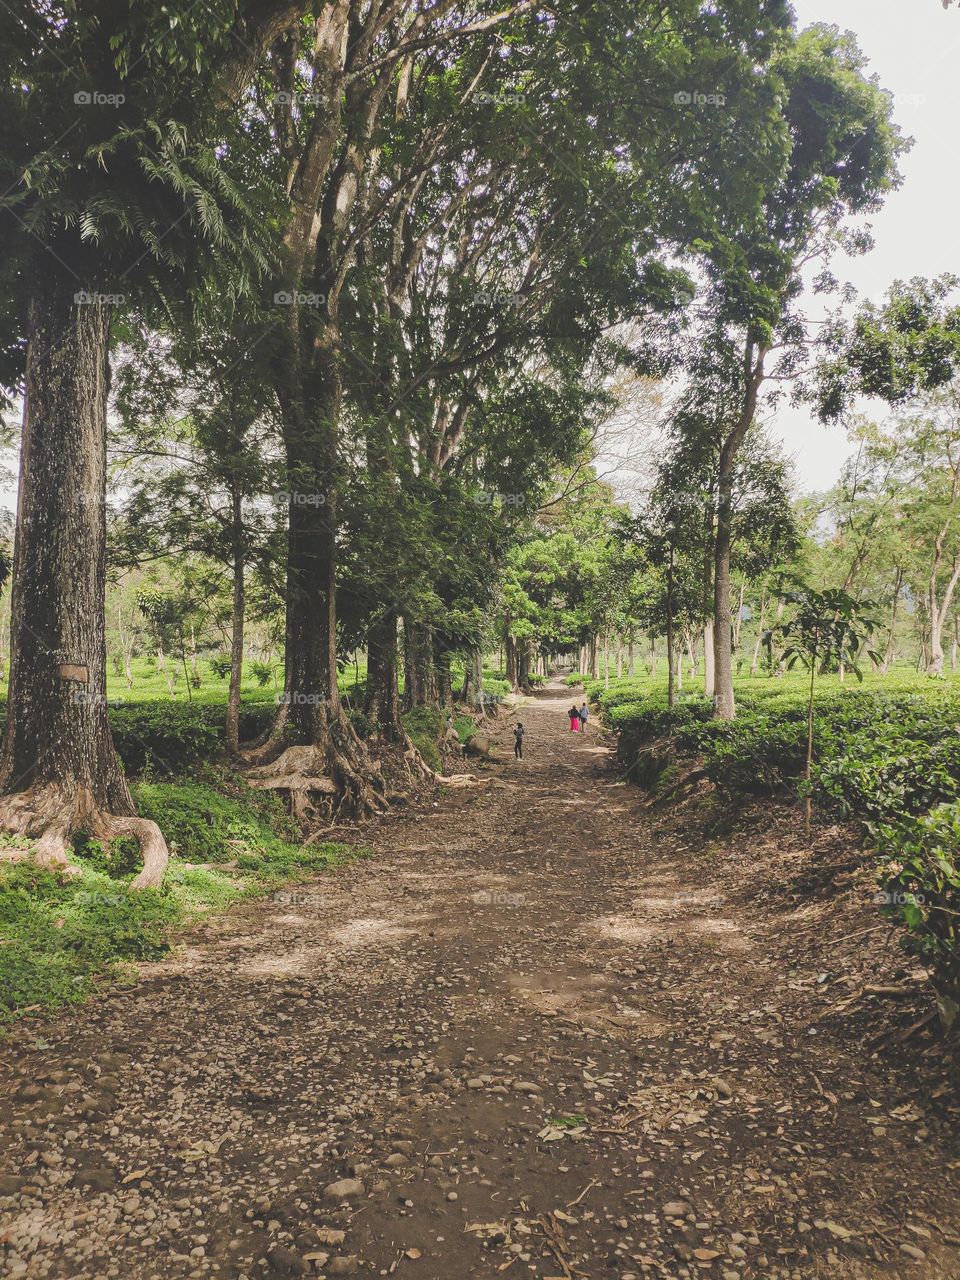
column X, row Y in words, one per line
column 887, row 756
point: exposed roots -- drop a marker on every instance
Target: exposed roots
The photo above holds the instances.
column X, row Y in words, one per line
column 332, row 778
column 49, row 817
column 414, row 762
column 458, row 780
column 271, row 743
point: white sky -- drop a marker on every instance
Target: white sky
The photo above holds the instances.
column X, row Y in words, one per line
column 914, row 48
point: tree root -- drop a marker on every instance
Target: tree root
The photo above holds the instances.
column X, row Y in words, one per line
column 271, row 743
column 416, row 766
column 332, row 777
column 458, row 780
column 49, row 817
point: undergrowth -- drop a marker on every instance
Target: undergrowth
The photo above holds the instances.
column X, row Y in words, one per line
column 61, row 937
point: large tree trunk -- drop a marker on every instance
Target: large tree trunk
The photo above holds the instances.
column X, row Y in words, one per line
column 232, row 726
column 512, row 667
column 443, row 676
column 671, row 693
column 59, row 772
column 311, row 713
column 523, row 665
column 419, row 670
column 473, row 678
column 722, row 635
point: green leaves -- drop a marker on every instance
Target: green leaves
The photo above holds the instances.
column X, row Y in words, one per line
column 895, row 351
column 920, row 889
column 826, row 627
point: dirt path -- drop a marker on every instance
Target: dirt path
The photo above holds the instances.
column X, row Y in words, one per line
column 533, row 1043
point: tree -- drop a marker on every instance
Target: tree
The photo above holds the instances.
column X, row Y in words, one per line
column 198, row 458
column 825, row 626
column 895, row 350
column 349, row 168
column 839, row 158
column 116, row 184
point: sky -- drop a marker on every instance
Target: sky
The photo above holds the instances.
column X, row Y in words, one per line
column 914, row 48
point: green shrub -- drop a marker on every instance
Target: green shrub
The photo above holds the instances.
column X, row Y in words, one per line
column 886, row 756
column 920, row 879
column 425, row 727
column 56, row 935
column 164, row 738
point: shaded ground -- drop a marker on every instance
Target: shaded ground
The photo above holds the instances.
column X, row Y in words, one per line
column 529, row 1036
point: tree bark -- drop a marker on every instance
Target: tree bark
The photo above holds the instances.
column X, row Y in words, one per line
column 473, row 678
column 443, row 676
column 738, row 620
column 938, row 609
column 382, row 693
column 59, row 772
column 724, row 703
column 420, row 687
column 523, row 665
column 671, row 695
column 232, row 726
column 709, row 673
column 511, row 670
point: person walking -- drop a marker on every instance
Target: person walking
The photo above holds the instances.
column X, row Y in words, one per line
column 584, row 716
column 518, row 733
column 574, row 714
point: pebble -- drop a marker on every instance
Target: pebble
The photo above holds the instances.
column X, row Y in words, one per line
column 343, row 1266
column 676, row 1208
column 345, row 1189
column 913, row 1252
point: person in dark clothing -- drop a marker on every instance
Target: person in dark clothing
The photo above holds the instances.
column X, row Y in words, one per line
column 518, row 733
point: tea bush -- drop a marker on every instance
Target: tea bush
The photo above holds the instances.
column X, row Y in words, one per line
column 886, row 756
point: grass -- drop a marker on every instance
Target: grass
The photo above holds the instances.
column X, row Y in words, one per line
column 61, row 938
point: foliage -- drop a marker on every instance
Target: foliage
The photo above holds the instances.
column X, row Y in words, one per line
column 920, row 879
column 164, row 738
column 888, row 760
column 425, row 727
